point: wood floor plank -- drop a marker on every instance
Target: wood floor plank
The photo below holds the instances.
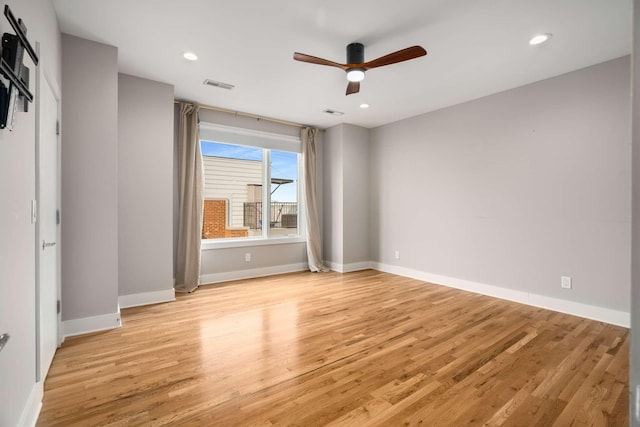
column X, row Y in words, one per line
column 365, row 348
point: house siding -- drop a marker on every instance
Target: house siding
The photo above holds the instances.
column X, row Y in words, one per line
column 228, row 179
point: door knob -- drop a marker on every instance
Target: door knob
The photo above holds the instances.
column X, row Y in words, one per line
column 3, row 340
column 47, row 244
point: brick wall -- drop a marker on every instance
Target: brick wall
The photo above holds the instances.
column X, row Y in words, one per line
column 214, row 221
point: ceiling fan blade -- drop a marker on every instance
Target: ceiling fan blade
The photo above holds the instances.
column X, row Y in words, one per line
column 315, row 60
column 395, row 57
column 353, row 87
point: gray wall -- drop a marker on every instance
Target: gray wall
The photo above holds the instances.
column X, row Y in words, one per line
column 229, row 260
column 333, row 184
column 356, row 194
column 635, row 249
column 514, row 189
column 346, row 185
column 145, row 178
column 17, row 233
column 89, row 179
column 346, row 181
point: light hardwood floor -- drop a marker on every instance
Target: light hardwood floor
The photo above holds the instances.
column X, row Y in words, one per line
column 365, row 348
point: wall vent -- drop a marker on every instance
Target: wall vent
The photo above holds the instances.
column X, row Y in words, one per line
column 218, row 84
column 333, row 112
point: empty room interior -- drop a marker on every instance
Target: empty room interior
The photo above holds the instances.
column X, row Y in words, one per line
column 320, row 213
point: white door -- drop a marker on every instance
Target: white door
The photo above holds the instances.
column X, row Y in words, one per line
column 48, row 235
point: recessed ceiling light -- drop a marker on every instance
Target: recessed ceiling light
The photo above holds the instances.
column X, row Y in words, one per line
column 539, row 38
column 364, row 106
column 190, row 56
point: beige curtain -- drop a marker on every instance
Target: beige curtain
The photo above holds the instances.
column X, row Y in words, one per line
column 314, row 238
column 190, row 200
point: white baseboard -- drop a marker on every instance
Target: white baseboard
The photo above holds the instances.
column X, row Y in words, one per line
column 146, row 298
column 348, row 268
column 91, row 324
column 31, row 410
column 614, row 317
column 207, row 279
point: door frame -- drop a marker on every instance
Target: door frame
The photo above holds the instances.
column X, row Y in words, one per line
column 42, row 80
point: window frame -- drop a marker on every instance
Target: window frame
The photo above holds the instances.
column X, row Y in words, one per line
column 213, row 132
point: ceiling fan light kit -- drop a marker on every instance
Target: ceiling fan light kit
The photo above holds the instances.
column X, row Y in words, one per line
column 355, row 75
column 356, row 67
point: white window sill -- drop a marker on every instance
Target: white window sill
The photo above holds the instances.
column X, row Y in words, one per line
column 248, row 242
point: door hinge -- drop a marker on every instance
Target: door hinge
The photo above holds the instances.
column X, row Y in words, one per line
column 34, row 211
column 58, row 307
column 58, row 128
column 4, row 338
column 57, row 216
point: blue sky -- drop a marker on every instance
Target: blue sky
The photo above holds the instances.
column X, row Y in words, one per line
column 284, row 164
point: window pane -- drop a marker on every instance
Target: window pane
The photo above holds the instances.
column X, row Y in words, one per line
column 284, row 193
column 232, row 190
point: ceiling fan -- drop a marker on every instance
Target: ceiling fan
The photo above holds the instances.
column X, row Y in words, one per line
column 356, row 67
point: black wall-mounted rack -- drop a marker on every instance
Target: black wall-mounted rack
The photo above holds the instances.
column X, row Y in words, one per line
column 13, row 70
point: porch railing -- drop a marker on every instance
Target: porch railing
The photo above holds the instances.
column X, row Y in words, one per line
column 283, row 215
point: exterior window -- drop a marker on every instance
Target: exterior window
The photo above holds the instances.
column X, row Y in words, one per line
column 249, row 192
column 284, row 192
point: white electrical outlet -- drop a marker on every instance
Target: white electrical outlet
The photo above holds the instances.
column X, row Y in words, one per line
column 397, row 254
column 247, row 257
column 565, row 282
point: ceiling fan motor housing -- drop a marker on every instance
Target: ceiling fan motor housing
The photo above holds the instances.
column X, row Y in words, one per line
column 355, row 53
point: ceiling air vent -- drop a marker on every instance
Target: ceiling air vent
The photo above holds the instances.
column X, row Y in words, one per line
column 333, row 112
column 218, row 84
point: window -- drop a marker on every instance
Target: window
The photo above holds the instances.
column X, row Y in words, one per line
column 251, row 184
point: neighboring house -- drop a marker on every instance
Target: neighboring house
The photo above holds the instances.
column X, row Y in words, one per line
column 231, row 180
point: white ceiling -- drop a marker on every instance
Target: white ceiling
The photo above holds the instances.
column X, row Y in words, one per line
column 475, row 48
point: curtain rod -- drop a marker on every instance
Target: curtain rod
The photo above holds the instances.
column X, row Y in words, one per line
column 239, row 113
